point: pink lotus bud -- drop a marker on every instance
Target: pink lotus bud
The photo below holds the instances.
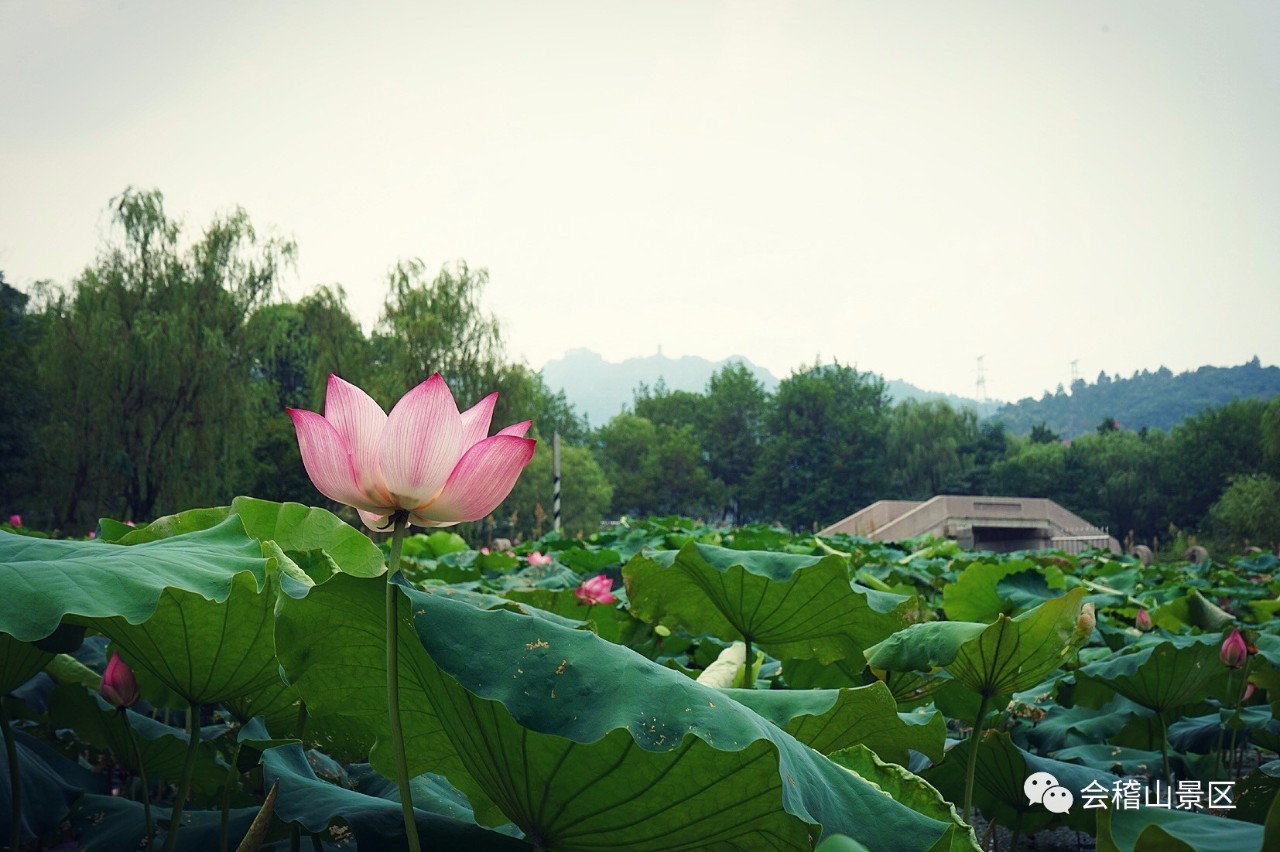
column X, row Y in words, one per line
column 597, row 590
column 537, row 558
column 425, row 461
column 93, row 533
column 1143, row 621
column 15, row 520
column 1248, row 692
column 1234, row 650
column 119, row 686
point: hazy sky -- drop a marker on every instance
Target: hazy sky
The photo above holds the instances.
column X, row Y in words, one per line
column 903, row 186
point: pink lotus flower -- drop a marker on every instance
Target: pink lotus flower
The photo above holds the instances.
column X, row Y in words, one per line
column 119, row 686
column 484, row 551
column 15, row 521
column 1234, row 650
column 537, row 558
column 1143, row 621
column 424, row 458
column 597, row 590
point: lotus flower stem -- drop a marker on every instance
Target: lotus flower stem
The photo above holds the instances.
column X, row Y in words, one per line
column 232, row 772
column 393, row 682
column 15, row 782
column 748, row 682
column 1164, row 747
column 142, row 776
column 972, row 769
column 299, row 725
column 1222, row 728
column 188, row 770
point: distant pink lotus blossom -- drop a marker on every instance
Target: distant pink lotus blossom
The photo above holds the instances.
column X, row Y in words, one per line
column 537, row 558
column 1143, row 621
column 484, row 551
column 1234, row 650
column 119, row 686
column 130, row 524
column 597, row 590
column 93, row 533
column 424, row 458
column 15, row 520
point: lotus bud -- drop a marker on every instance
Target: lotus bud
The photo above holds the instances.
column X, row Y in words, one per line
column 1143, row 621
column 119, row 686
column 1088, row 620
column 1234, row 651
column 15, row 520
column 597, row 590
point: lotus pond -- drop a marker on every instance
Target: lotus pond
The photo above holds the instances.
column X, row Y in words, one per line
column 718, row 689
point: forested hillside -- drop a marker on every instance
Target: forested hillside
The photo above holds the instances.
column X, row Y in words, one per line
column 1146, row 400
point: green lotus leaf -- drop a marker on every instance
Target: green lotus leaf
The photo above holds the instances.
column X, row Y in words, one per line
column 1122, row 760
column 1265, row 611
column 811, row 674
column 433, row 546
column 586, row 745
column 912, row 791
column 608, row 621
column 1002, row 771
column 1082, row 725
column 1028, row 589
column 792, row 606
column 974, row 596
column 276, row 703
column 372, row 812
column 1268, row 645
column 19, row 662
column 51, row 786
column 1007, row 656
column 1199, row 734
column 1168, row 830
column 115, row 824
column 1161, row 677
column 49, row 579
column 1256, row 792
column 580, row 742
column 828, row 720
column 192, row 520
column 1192, row 609
column 163, row 747
column 204, row 651
column 587, row 561
column 840, row 843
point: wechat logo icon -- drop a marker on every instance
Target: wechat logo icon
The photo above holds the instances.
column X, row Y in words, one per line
column 1043, row 789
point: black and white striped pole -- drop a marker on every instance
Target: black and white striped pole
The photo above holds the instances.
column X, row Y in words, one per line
column 555, row 481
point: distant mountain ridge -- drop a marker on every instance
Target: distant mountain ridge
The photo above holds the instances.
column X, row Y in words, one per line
column 601, row 389
column 1159, row 400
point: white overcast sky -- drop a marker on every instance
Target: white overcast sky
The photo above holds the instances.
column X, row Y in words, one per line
column 903, row 186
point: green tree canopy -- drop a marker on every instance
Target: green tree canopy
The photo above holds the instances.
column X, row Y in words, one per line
column 145, row 366
column 927, row 448
column 824, row 455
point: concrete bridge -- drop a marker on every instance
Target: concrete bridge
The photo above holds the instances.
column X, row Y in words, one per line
column 999, row 524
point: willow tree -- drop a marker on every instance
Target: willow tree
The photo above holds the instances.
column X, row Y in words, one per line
column 294, row 347
column 145, row 369
column 436, row 325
